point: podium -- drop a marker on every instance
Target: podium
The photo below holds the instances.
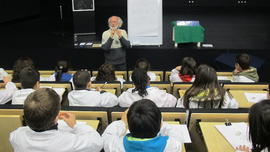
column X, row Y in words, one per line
column 187, row 32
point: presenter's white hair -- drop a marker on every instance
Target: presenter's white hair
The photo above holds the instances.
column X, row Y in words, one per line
column 120, row 21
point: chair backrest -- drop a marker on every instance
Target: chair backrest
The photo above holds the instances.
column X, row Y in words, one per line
column 167, row 75
column 159, row 74
column 108, row 85
column 119, row 74
column 89, row 113
column 246, row 86
column 168, row 114
column 180, row 86
column 8, row 124
column 217, row 115
column 161, row 85
column 52, row 84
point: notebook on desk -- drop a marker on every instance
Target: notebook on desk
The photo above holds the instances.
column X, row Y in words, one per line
column 236, row 134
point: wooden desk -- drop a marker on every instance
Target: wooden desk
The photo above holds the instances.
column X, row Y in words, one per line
column 241, row 98
column 173, row 122
column 181, row 93
column 214, row 140
column 92, row 123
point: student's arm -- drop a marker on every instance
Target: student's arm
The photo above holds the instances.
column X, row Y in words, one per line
column 113, row 136
column 229, row 102
column 108, row 99
column 180, row 103
column 175, row 76
column 7, row 93
column 86, row 138
column 124, row 99
column 166, row 99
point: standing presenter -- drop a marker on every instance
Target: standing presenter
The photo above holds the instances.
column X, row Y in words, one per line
column 114, row 43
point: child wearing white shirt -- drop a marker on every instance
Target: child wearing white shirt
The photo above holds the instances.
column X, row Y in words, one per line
column 84, row 96
column 43, row 133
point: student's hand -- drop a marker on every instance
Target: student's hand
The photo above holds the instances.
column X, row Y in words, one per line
column 235, row 71
column 69, row 118
column 178, row 68
column 98, row 89
column 243, row 148
column 119, row 33
column 6, row 79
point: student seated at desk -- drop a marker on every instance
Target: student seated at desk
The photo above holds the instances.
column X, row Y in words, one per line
column 61, row 72
column 84, row 96
column 20, row 64
column 3, row 74
column 106, row 72
column 147, row 131
column 44, row 133
column 206, row 92
column 7, row 93
column 29, row 79
column 145, row 65
column 259, row 127
column 243, row 72
column 143, row 90
column 186, row 72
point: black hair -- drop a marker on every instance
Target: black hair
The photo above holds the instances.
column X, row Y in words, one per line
column 29, row 77
column 81, row 79
column 106, row 72
column 206, row 80
column 19, row 64
column 140, row 80
column 188, row 66
column 61, row 67
column 259, row 125
column 243, row 60
column 144, row 119
column 41, row 108
column 142, row 63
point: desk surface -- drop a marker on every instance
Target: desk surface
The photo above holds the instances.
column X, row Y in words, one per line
column 241, row 98
column 92, row 123
column 211, row 136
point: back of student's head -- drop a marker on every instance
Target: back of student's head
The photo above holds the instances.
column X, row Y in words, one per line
column 61, row 67
column 29, row 77
column 41, row 109
column 243, row 60
column 188, row 66
column 142, row 63
column 206, row 80
column 81, row 79
column 19, row 64
column 144, row 119
column 259, row 124
column 140, row 80
column 106, row 72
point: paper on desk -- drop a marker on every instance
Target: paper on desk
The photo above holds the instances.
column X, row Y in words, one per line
column 255, row 97
column 236, row 134
column 223, row 78
column 181, row 133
